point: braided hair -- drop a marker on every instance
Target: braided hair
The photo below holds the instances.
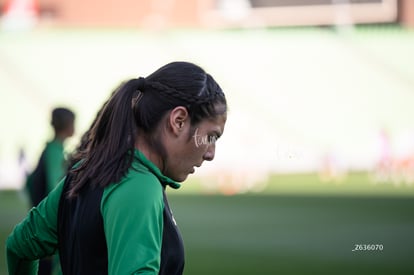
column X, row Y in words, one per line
column 139, row 105
column 177, row 84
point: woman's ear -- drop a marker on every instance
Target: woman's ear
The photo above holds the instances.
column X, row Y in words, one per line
column 179, row 120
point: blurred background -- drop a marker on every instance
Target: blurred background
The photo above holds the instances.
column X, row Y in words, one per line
column 318, row 150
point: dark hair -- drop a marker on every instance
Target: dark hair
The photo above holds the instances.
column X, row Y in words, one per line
column 139, row 105
column 80, row 151
column 62, row 118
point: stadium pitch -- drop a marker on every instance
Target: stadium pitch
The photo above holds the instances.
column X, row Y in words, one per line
column 271, row 233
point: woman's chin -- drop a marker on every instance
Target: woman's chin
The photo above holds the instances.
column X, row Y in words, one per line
column 180, row 178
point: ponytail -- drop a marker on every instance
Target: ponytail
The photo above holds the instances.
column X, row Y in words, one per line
column 111, row 141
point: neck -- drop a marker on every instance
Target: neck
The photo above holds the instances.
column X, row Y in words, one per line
column 60, row 137
column 148, row 151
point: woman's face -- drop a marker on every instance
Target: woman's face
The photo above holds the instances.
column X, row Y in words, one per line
column 194, row 145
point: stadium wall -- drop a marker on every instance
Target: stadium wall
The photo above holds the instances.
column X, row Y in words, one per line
column 219, row 13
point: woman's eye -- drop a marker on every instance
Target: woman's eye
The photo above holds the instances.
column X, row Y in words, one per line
column 212, row 139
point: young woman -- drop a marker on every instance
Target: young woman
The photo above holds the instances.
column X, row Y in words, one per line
column 110, row 215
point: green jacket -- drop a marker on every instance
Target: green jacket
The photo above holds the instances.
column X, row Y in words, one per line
column 132, row 212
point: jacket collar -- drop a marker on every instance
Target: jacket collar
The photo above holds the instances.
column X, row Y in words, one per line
column 155, row 170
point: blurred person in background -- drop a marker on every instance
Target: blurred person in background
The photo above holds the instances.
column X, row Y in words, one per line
column 51, row 166
column 110, row 215
column 50, row 170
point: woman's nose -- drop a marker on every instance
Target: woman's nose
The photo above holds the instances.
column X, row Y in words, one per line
column 209, row 154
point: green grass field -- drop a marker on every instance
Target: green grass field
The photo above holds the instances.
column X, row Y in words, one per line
column 296, row 226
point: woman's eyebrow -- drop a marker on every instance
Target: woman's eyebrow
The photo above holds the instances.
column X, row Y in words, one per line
column 217, row 133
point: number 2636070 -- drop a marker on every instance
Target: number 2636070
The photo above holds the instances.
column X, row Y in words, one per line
column 368, row 247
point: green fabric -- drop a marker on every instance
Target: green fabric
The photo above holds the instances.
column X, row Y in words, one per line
column 55, row 163
column 35, row 237
column 139, row 156
column 133, row 219
column 132, row 212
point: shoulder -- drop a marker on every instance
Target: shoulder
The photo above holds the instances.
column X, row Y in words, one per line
column 138, row 187
column 54, row 147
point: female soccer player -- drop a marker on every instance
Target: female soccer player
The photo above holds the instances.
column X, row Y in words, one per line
column 110, row 215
